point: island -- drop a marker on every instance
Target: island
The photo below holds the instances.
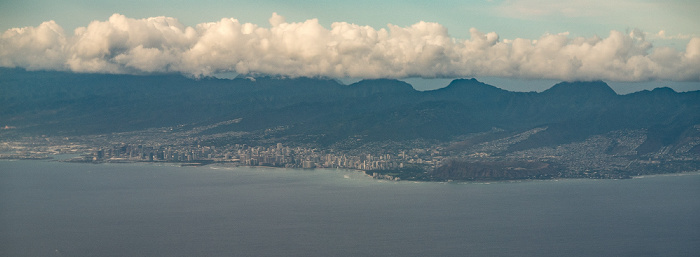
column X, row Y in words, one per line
column 466, row 131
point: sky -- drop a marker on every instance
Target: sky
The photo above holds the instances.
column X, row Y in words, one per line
column 631, row 44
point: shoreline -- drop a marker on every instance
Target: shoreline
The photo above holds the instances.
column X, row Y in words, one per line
column 370, row 173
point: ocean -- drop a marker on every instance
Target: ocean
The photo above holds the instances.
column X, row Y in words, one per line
column 50, row 208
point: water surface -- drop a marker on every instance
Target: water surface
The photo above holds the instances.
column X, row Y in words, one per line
column 67, row 209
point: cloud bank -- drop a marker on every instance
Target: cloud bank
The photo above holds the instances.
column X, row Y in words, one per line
column 162, row 44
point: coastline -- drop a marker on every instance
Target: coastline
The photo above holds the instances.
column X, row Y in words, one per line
column 378, row 175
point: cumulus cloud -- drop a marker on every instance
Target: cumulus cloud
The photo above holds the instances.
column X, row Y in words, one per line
column 41, row 47
column 162, row 44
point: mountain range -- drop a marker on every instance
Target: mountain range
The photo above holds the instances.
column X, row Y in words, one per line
column 57, row 103
column 324, row 112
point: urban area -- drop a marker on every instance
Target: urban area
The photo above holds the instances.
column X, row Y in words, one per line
column 601, row 154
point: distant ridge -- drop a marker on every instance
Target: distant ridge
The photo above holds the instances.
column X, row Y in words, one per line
column 472, row 85
column 56, row 103
column 368, row 87
column 578, row 89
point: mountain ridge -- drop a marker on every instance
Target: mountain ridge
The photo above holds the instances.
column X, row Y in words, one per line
column 468, row 130
column 64, row 103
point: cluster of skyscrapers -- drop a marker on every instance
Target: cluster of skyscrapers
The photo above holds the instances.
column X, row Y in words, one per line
column 276, row 155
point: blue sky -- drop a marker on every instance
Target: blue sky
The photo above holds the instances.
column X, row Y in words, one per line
column 664, row 23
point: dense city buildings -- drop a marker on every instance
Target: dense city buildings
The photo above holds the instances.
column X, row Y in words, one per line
column 612, row 155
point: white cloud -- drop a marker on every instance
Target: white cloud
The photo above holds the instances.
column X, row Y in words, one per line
column 162, row 44
column 41, row 47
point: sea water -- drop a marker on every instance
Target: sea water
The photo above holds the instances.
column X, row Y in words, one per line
column 50, row 208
